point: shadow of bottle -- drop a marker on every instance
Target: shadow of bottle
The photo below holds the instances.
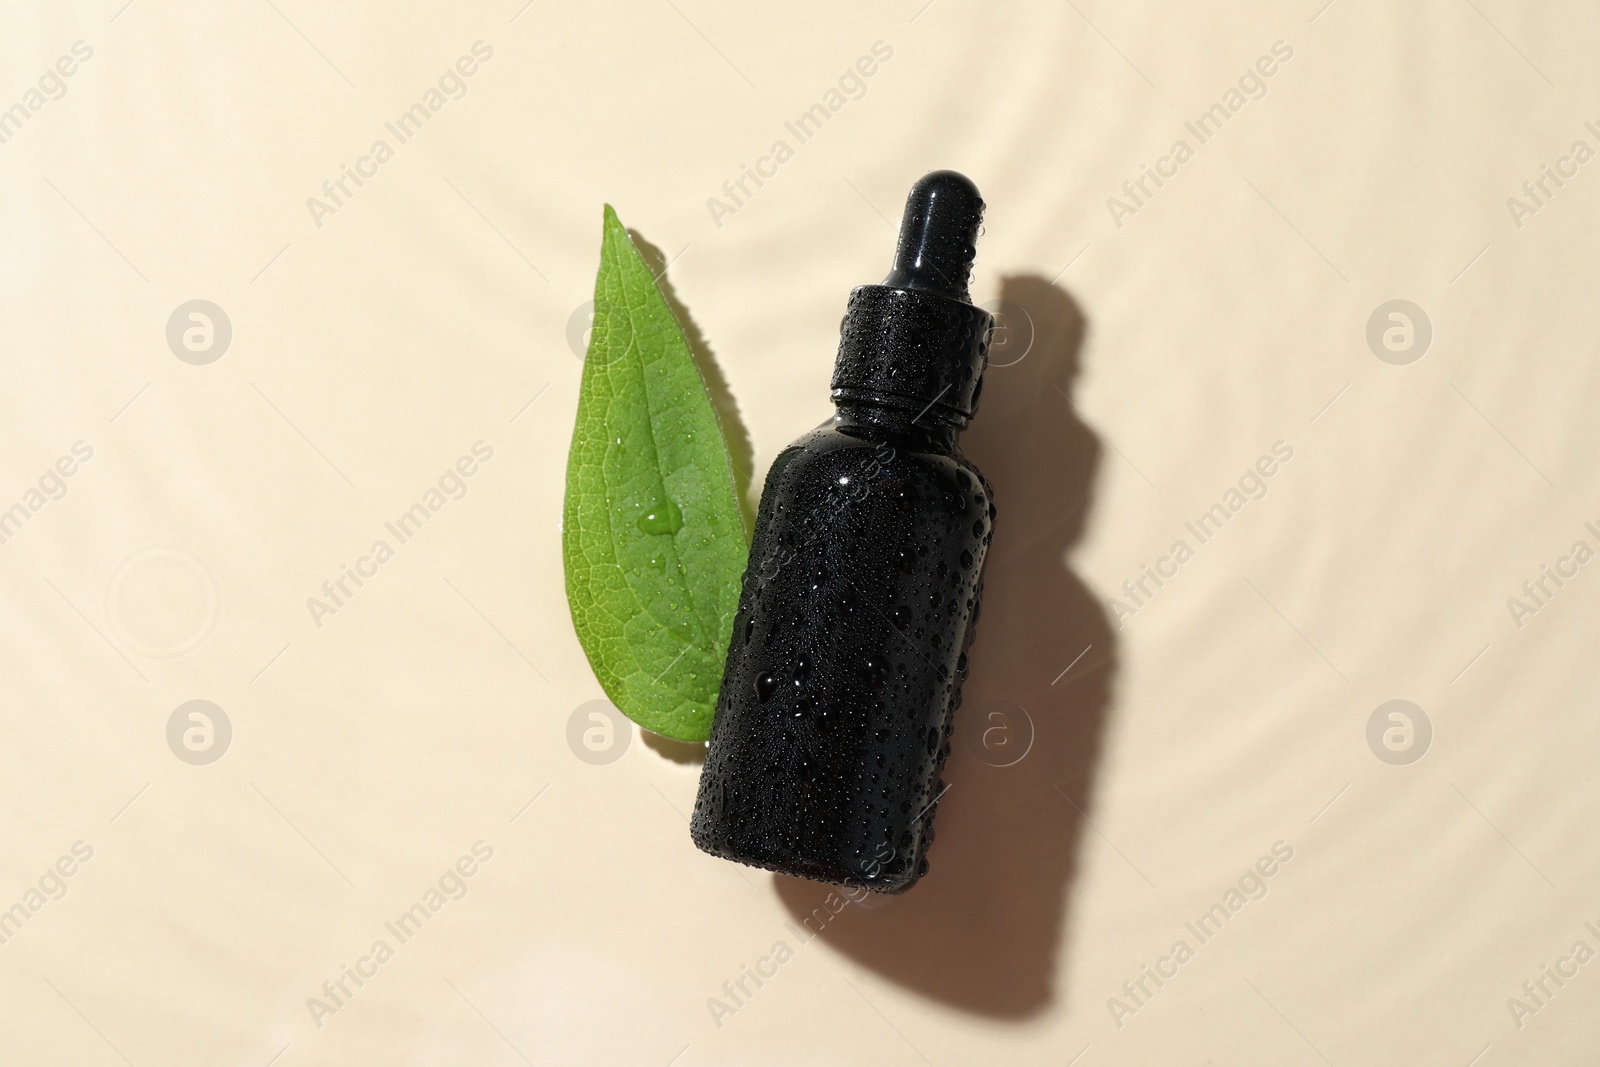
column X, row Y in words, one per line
column 983, row 929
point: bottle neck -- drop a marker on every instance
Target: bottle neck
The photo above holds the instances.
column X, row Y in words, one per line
column 925, row 432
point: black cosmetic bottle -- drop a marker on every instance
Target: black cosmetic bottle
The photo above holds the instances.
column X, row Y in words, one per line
column 859, row 601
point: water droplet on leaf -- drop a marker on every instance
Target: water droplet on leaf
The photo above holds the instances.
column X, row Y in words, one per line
column 663, row 518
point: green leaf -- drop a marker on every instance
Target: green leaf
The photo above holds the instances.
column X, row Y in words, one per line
column 652, row 536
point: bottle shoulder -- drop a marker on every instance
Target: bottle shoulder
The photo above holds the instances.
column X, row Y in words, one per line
column 828, row 445
column 828, row 464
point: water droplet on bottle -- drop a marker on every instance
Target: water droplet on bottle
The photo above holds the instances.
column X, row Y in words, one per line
column 765, row 685
column 876, row 674
column 966, row 559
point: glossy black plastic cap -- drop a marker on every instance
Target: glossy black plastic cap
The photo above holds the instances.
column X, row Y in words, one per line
column 916, row 341
column 938, row 235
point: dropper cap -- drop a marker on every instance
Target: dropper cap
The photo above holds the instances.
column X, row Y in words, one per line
column 938, row 236
column 916, row 341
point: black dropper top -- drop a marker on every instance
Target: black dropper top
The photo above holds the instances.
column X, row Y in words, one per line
column 938, row 235
column 916, row 341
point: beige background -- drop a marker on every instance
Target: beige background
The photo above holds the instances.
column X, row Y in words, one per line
column 432, row 311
